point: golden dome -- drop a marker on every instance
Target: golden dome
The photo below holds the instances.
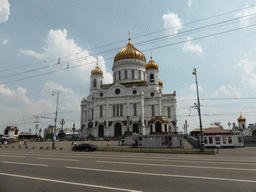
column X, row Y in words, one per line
column 129, row 52
column 151, row 65
column 97, row 71
column 160, row 82
column 241, row 119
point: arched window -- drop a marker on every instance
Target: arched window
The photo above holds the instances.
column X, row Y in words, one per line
column 153, row 111
column 6, row 132
column 152, row 79
column 133, row 74
column 139, row 74
column 16, row 132
column 119, row 75
column 94, row 83
column 125, row 74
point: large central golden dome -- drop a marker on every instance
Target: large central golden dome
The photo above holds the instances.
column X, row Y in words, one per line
column 129, row 52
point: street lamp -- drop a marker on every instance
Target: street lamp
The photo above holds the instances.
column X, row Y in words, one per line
column 128, row 122
column 36, row 130
column 140, row 124
column 74, row 128
column 56, row 115
column 199, row 113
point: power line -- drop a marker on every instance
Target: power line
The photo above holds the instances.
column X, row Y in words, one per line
column 206, row 36
column 136, row 37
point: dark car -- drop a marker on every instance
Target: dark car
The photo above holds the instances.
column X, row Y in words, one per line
column 85, row 147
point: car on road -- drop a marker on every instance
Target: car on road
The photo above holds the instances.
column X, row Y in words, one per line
column 85, row 147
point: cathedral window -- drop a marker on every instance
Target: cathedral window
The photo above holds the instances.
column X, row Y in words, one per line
column 165, row 127
column 94, row 83
column 117, row 110
column 153, row 111
column 114, row 111
column 135, row 109
column 151, row 128
column 139, row 74
column 114, row 77
column 169, row 112
column 119, row 75
column 101, row 110
column 152, row 79
column 133, row 74
column 92, row 113
column 144, row 76
column 125, row 74
column 121, row 110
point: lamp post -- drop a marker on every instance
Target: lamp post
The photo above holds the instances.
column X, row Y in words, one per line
column 128, row 122
column 199, row 113
column 74, row 128
column 140, row 124
column 56, row 115
column 36, row 130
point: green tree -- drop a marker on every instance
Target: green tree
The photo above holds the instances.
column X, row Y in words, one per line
column 217, row 123
column 49, row 136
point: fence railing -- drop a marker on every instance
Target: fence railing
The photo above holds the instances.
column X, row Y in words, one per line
column 193, row 141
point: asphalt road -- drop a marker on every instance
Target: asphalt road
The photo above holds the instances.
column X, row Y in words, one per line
column 65, row 170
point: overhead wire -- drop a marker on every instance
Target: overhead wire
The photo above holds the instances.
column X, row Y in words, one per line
column 206, row 36
column 136, row 37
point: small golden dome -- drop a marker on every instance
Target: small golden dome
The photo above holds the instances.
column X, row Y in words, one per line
column 160, row 82
column 241, row 119
column 129, row 52
column 151, row 65
column 97, row 71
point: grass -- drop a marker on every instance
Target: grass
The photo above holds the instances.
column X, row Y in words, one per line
column 209, row 152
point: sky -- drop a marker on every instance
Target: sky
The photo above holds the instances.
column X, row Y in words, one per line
column 215, row 37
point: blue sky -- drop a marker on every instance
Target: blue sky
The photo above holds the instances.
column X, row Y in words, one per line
column 34, row 34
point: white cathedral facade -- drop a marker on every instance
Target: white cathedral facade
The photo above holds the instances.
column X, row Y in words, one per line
column 134, row 102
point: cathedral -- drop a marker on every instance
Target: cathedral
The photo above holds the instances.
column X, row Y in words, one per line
column 133, row 104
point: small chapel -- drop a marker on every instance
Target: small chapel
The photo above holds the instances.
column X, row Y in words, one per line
column 134, row 103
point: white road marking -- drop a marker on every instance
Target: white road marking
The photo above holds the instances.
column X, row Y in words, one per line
column 25, row 163
column 57, row 159
column 185, row 166
column 165, row 175
column 12, row 156
column 70, row 183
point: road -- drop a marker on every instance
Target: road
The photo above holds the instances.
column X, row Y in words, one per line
column 65, row 170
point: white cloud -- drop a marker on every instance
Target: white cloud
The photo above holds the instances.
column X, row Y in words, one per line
column 4, row 10
column 195, row 48
column 32, row 53
column 58, row 45
column 193, row 87
column 172, row 21
column 246, row 66
column 190, row 3
column 229, row 91
column 5, row 42
column 246, row 12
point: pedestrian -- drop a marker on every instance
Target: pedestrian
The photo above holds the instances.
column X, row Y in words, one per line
column 108, row 144
column 75, row 144
column 133, row 143
column 170, row 144
column 20, row 144
column 72, row 145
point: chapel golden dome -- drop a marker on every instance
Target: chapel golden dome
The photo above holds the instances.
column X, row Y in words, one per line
column 97, row 71
column 241, row 119
column 129, row 52
column 160, row 82
column 151, row 65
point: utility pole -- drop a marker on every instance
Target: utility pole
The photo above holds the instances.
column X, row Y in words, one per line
column 199, row 113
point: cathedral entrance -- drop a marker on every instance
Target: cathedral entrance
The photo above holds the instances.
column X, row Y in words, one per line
column 101, row 131
column 135, row 128
column 158, row 126
column 118, row 129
